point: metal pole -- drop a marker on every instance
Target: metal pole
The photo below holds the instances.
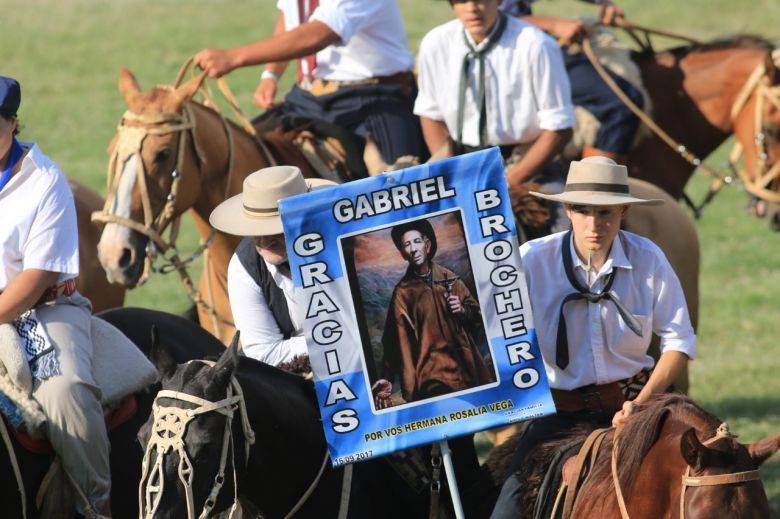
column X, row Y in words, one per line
column 446, row 456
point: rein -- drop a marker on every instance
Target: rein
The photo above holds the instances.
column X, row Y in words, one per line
column 755, row 184
column 168, row 431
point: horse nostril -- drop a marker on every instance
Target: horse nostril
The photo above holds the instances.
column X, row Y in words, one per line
column 127, row 258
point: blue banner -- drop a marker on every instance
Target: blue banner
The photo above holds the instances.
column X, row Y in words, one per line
column 417, row 316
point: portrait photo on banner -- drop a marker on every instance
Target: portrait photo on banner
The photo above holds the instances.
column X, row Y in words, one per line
column 417, row 309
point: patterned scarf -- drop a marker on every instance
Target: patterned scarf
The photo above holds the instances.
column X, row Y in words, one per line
column 40, row 353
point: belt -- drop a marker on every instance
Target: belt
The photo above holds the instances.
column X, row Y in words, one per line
column 66, row 288
column 321, row 87
column 605, row 398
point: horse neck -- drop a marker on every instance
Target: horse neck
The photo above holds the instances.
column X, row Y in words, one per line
column 692, row 94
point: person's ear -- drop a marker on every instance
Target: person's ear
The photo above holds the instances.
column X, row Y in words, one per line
column 427, row 245
column 625, row 211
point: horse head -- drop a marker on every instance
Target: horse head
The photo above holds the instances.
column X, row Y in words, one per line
column 153, row 178
column 756, row 115
column 197, row 440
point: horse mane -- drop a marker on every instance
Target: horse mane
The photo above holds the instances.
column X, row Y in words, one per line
column 642, row 429
column 736, row 41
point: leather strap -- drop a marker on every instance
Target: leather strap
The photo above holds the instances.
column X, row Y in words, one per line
column 587, row 454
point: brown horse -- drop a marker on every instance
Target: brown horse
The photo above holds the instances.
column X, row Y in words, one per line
column 694, row 90
column 666, row 439
column 183, row 165
column 92, row 281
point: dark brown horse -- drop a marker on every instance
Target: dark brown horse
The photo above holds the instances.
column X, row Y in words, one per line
column 665, row 439
column 174, row 141
column 694, row 90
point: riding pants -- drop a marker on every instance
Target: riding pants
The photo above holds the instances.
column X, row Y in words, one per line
column 75, row 424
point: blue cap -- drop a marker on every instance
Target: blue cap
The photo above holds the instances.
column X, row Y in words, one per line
column 10, row 96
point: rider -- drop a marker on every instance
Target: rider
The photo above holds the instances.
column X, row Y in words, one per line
column 260, row 286
column 39, row 263
column 354, row 69
column 599, row 295
column 618, row 123
column 526, row 106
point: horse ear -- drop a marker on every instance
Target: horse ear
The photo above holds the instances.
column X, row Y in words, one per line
column 184, row 92
column 223, row 370
column 161, row 357
column 770, row 65
column 762, row 450
column 692, row 450
column 128, row 86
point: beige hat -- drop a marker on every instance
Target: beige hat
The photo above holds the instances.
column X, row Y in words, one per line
column 597, row 181
column 255, row 212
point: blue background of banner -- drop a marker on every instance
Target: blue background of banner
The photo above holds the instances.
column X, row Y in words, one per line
column 313, row 213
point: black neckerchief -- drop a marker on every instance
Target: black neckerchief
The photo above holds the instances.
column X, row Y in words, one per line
column 562, row 348
column 479, row 56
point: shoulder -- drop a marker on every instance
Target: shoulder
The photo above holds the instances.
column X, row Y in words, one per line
column 440, row 38
column 641, row 247
column 526, row 35
column 542, row 247
column 47, row 176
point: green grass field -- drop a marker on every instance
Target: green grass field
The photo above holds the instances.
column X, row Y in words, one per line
column 66, row 54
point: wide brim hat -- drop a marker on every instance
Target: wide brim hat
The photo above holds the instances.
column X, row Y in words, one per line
column 598, row 181
column 422, row 226
column 255, row 211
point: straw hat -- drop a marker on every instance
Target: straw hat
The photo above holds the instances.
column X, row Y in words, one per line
column 597, row 181
column 255, row 212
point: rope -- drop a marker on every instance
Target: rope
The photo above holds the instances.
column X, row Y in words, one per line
column 310, row 490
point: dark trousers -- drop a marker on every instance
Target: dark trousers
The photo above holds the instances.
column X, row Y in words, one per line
column 382, row 112
column 588, row 90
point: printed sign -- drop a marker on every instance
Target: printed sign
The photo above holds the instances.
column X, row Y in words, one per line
column 415, row 308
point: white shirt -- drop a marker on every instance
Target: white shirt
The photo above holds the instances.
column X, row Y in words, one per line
column 261, row 338
column 527, row 89
column 602, row 348
column 38, row 228
column 373, row 39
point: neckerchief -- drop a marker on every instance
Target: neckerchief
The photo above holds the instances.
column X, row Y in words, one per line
column 562, row 347
column 479, row 56
column 13, row 157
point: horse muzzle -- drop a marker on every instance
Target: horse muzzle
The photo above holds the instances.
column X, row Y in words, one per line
column 122, row 255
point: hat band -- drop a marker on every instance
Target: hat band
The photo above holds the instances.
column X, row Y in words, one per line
column 270, row 211
column 597, row 186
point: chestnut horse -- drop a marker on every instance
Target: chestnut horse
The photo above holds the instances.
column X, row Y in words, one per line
column 673, row 460
column 188, row 157
column 702, row 94
column 92, row 282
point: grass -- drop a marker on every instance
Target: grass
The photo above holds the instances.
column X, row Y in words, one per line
column 66, row 54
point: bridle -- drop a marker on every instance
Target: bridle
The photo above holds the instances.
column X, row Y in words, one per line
column 687, row 480
column 169, row 428
column 763, row 179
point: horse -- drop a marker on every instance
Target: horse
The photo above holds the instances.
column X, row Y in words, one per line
column 673, row 459
column 172, row 154
column 184, row 340
column 92, row 282
column 286, row 468
column 703, row 93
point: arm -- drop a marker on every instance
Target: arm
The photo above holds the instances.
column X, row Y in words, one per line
column 545, row 148
column 435, row 134
column 266, row 89
column 23, row 292
column 261, row 338
column 308, row 38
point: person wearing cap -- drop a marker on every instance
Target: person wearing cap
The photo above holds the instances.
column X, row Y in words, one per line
column 488, row 79
column 618, row 123
column 39, row 263
column 260, row 287
column 354, row 69
column 598, row 295
column 428, row 338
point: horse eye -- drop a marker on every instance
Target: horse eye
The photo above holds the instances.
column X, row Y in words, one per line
column 162, row 156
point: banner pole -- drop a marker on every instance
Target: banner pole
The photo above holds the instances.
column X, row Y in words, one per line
column 449, row 469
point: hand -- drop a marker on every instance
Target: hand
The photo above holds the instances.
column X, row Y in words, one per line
column 455, row 304
column 569, row 31
column 621, row 416
column 610, row 12
column 215, row 62
column 265, row 93
column 382, row 389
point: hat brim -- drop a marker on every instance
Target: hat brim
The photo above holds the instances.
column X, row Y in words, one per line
column 231, row 218
column 597, row 198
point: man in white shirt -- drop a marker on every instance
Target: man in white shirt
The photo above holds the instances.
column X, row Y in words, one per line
column 354, row 69
column 487, row 79
column 598, row 295
column 260, row 287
